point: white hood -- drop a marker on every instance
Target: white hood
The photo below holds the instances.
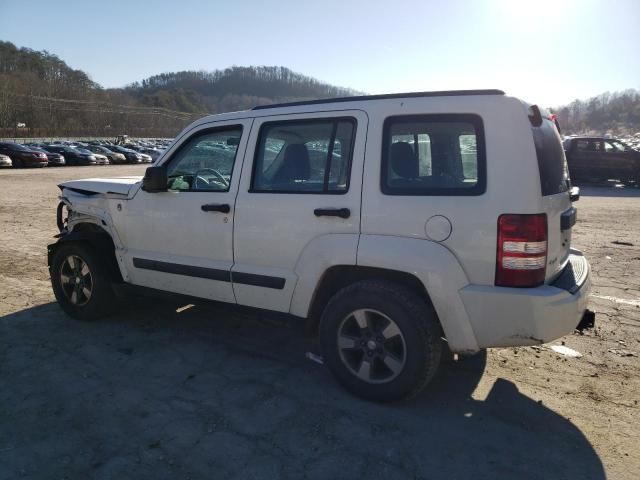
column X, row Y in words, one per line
column 118, row 185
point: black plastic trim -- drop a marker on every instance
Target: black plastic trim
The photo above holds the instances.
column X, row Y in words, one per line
column 568, row 218
column 256, row 280
column 211, row 273
column 179, row 269
column 388, row 96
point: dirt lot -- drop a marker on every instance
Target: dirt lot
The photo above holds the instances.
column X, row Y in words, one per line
column 212, row 393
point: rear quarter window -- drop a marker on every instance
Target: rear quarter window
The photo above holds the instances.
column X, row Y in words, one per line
column 437, row 154
column 552, row 164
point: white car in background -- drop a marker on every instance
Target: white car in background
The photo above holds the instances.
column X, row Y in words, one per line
column 5, row 161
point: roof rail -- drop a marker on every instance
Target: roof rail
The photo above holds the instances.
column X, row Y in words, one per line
column 444, row 93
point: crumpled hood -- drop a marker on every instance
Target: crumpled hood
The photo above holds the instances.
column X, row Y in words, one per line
column 88, row 186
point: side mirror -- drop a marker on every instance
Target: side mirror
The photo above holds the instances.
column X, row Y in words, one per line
column 155, row 180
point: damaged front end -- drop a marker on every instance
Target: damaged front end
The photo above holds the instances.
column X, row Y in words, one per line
column 63, row 212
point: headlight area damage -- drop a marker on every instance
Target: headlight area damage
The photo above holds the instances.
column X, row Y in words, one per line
column 85, row 214
column 91, row 201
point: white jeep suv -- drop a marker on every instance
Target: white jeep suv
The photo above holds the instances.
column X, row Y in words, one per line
column 396, row 225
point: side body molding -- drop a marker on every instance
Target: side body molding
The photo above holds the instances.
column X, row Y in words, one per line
column 438, row 270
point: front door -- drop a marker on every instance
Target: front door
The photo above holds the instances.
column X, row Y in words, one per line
column 302, row 183
column 181, row 240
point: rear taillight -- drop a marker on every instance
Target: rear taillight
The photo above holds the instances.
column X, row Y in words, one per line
column 521, row 259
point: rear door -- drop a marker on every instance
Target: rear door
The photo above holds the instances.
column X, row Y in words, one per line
column 554, row 183
column 619, row 160
column 301, row 181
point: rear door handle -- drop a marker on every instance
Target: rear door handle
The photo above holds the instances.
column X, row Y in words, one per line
column 216, row 207
column 332, row 212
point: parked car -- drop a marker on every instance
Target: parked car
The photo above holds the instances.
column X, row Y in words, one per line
column 5, row 161
column 154, row 153
column 131, row 155
column 74, row 156
column 457, row 225
column 54, row 159
column 22, row 156
column 114, row 157
column 598, row 159
column 100, row 159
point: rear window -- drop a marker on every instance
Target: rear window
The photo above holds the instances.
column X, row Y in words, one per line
column 554, row 175
column 433, row 155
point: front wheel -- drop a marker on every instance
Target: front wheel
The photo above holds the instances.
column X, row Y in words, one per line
column 381, row 340
column 82, row 282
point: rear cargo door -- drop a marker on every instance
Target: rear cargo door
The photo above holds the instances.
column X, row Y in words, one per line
column 555, row 185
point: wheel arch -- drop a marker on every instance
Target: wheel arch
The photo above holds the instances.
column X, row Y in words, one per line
column 94, row 235
column 423, row 266
column 338, row 277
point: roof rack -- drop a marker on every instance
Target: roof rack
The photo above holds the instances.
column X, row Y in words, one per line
column 444, row 93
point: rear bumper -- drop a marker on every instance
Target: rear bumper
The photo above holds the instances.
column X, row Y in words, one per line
column 506, row 317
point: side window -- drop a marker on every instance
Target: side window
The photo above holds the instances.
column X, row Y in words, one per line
column 305, row 156
column 205, row 161
column 433, row 155
column 582, row 146
column 614, row 146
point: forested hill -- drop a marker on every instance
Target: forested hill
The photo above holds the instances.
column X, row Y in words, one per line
column 234, row 88
column 40, row 95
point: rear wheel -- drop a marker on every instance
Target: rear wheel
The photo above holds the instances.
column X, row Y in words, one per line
column 381, row 340
column 17, row 163
column 82, row 282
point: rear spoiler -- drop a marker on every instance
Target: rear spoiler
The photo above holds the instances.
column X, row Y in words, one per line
column 535, row 117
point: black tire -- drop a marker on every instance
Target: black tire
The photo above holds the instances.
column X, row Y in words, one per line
column 101, row 301
column 17, row 163
column 419, row 334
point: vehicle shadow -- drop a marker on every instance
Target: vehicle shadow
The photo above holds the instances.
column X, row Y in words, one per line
column 161, row 391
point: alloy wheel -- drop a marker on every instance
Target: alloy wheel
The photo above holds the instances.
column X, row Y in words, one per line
column 76, row 280
column 371, row 346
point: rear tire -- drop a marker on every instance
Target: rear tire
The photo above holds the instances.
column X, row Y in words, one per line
column 381, row 340
column 82, row 282
column 17, row 163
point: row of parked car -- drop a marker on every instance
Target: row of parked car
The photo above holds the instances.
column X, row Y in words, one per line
column 95, row 152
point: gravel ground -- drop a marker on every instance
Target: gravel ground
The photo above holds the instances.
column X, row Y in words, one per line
column 209, row 392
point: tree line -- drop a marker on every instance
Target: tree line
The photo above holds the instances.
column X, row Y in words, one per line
column 41, row 96
column 617, row 113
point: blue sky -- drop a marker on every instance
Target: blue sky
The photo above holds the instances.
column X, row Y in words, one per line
column 544, row 51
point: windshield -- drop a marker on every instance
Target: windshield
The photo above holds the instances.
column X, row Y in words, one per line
column 17, row 146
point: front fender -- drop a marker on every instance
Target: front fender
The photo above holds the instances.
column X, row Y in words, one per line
column 438, row 270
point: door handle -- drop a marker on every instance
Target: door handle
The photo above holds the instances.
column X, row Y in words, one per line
column 216, row 207
column 332, row 212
